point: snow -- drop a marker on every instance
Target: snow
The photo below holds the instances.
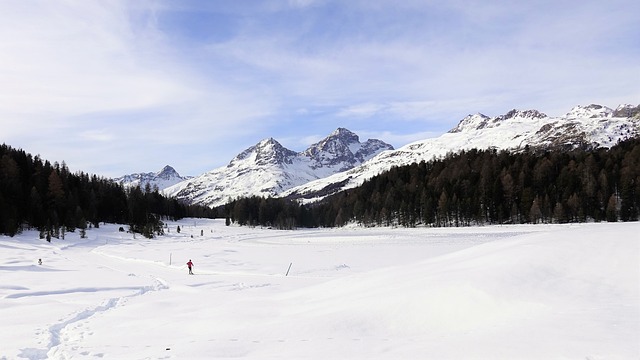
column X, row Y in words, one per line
column 267, row 169
column 499, row 292
column 590, row 111
column 512, row 131
column 162, row 179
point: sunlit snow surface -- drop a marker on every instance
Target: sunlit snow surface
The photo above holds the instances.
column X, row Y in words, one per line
column 494, row 292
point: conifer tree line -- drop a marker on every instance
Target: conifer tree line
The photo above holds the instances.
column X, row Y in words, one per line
column 278, row 213
column 35, row 194
column 474, row 187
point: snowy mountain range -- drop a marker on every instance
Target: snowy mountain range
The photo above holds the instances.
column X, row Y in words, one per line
column 268, row 169
column 341, row 161
column 589, row 126
column 162, row 179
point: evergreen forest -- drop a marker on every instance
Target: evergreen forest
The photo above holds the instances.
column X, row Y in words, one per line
column 473, row 187
column 35, row 194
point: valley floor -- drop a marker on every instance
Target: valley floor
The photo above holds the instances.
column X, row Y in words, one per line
column 495, row 292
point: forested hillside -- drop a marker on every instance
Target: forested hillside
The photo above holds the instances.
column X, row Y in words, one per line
column 475, row 187
column 37, row 194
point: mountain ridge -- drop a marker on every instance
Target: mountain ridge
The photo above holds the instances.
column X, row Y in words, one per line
column 340, row 161
column 268, row 168
column 162, row 179
column 590, row 126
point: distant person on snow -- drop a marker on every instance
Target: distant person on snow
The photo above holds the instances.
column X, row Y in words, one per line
column 39, row 261
column 190, row 265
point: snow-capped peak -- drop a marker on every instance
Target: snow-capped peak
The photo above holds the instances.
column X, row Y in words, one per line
column 471, row 122
column 343, row 149
column 334, row 143
column 267, row 151
column 268, row 168
column 590, row 111
column 627, row 110
column 522, row 114
column 480, row 121
column 345, row 135
column 162, row 179
column 167, row 173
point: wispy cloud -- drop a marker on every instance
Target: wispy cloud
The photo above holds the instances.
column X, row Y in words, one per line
column 145, row 83
column 71, row 67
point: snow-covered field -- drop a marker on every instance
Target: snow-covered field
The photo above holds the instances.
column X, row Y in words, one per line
column 495, row 292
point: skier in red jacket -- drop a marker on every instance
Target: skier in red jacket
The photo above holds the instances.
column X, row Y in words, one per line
column 190, row 265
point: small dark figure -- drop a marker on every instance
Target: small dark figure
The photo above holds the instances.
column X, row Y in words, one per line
column 190, row 265
column 39, row 261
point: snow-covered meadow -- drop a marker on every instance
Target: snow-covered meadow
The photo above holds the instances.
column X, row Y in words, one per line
column 494, row 292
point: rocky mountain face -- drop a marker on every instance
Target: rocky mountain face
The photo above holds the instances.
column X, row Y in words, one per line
column 268, row 169
column 627, row 110
column 479, row 121
column 585, row 127
column 342, row 151
column 162, row 179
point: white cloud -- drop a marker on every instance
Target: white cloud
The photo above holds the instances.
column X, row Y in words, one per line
column 97, row 135
column 74, row 57
column 98, row 78
column 362, row 110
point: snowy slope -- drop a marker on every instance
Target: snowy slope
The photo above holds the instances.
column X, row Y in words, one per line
column 496, row 292
column 588, row 127
column 268, row 169
column 162, row 179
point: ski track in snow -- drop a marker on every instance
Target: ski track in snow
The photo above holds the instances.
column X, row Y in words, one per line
column 60, row 333
column 56, row 332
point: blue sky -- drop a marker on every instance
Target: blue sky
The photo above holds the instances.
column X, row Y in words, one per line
column 116, row 87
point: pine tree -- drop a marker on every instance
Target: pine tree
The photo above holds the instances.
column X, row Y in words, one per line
column 535, row 213
column 612, row 209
